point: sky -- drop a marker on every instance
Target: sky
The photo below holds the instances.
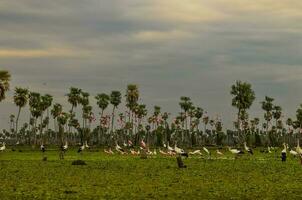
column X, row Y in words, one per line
column 170, row 48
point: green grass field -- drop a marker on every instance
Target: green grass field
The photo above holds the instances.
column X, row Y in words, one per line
column 24, row 175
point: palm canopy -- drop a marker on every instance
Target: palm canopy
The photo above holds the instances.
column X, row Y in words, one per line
column 4, row 83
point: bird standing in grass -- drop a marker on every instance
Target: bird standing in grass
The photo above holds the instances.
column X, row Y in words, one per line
column 42, row 148
column 196, row 152
column 235, row 152
column 180, row 151
column 3, row 147
column 119, row 149
column 81, row 149
column 294, row 153
column 207, row 151
column 249, row 150
column 219, row 152
column 65, row 147
column 283, row 153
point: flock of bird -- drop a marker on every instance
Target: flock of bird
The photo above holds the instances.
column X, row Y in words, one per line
column 128, row 148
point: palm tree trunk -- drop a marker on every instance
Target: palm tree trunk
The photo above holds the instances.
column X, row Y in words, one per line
column 17, row 120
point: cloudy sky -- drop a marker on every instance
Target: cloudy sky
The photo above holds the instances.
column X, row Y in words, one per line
column 170, row 48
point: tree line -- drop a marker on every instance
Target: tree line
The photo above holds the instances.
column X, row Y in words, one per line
column 136, row 124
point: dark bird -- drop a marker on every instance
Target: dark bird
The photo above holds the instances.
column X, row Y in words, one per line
column 42, row 147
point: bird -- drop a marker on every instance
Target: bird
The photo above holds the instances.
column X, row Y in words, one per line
column 119, row 149
column 143, row 144
column 180, row 151
column 65, row 147
column 294, row 153
column 81, row 148
column 269, row 150
column 109, row 151
column 125, row 144
column 235, row 151
column 86, row 145
column 283, row 153
column 130, row 144
column 249, row 150
column 42, row 147
column 206, row 150
column 298, row 148
column 162, row 152
column 196, row 152
column 219, row 153
column 3, row 147
column 170, row 148
column 154, row 152
column 133, row 152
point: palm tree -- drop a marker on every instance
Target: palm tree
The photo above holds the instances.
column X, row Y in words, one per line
column 243, row 98
column 299, row 119
column 55, row 112
column 103, row 102
column 4, row 83
column 74, row 100
column 185, row 104
column 115, row 100
column 267, row 106
column 20, row 99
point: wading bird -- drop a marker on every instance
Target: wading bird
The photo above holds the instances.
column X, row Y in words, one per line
column 248, row 149
column 81, row 148
column 219, row 153
column 119, row 149
column 65, row 147
column 283, row 153
column 196, row 152
column 42, row 147
column 236, row 152
column 3, row 147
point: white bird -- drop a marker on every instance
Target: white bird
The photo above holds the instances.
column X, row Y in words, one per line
column 180, row 151
column 163, row 153
column 143, row 144
column 294, row 153
column 3, row 147
column 219, row 153
column 42, row 147
column 169, row 148
column 248, row 149
column 81, row 148
column 284, row 149
column 298, row 148
column 154, row 152
column 206, row 150
column 198, row 152
column 86, row 145
column 235, row 151
column 65, row 147
column 125, row 145
column 269, row 150
column 119, row 149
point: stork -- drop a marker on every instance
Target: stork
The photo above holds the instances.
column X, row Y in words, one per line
column 119, row 149
column 236, row 152
column 3, row 147
column 143, row 144
column 86, row 145
column 294, row 153
column 81, row 148
column 180, row 151
column 283, row 153
column 248, row 149
column 206, row 150
column 196, row 152
column 298, row 148
column 170, row 148
column 42, row 147
column 219, row 153
column 65, row 147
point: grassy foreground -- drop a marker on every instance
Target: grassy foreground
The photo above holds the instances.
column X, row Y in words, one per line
column 24, row 175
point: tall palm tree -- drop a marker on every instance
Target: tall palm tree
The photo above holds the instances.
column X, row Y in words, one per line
column 103, row 102
column 243, row 98
column 132, row 96
column 55, row 112
column 267, row 106
column 115, row 100
column 74, row 100
column 185, row 104
column 4, row 83
column 20, row 99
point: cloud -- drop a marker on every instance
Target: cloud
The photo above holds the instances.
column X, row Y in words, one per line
column 29, row 53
